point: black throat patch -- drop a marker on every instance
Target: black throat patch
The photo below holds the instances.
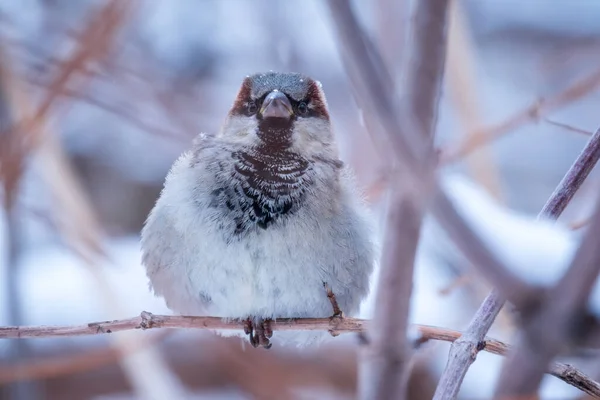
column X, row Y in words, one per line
column 268, row 183
column 276, row 134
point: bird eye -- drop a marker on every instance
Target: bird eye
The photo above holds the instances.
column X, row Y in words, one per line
column 251, row 108
column 302, row 108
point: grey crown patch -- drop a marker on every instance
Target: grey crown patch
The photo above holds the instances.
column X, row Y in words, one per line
column 293, row 84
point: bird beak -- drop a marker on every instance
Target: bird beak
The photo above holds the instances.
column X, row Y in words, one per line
column 276, row 105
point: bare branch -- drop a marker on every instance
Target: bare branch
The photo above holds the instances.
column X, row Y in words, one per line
column 413, row 169
column 367, row 73
column 568, row 127
column 572, row 181
column 147, row 320
column 385, row 361
column 464, row 351
column 562, row 319
column 76, row 363
column 532, row 113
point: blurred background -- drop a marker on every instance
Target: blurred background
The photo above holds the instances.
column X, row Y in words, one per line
column 99, row 97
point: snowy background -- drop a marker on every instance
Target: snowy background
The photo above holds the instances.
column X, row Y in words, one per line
column 69, row 251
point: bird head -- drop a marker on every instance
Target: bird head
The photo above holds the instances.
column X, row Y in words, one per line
column 280, row 110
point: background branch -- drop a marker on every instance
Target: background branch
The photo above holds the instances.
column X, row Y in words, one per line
column 531, row 113
column 384, row 368
column 563, row 316
column 411, row 167
column 464, row 351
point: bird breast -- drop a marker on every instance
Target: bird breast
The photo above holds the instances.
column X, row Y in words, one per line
column 263, row 187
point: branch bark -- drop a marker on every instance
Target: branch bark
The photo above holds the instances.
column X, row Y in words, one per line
column 464, row 351
column 574, row 178
column 146, row 320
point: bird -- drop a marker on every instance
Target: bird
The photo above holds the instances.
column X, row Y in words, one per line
column 262, row 220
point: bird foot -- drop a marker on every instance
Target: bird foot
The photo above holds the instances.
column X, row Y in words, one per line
column 259, row 332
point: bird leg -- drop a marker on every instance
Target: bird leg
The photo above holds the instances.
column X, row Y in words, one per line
column 259, row 332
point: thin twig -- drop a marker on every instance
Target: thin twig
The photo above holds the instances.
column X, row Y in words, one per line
column 114, row 109
column 147, row 320
column 532, row 113
column 94, row 44
column 464, row 351
column 571, row 182
column 568, row 127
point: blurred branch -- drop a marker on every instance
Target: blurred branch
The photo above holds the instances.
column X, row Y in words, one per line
column 563, row 320
column 563, row 316
column 73, row 216
column 116, row 110
column 391, row 20
column 530, row 114
column 464, row 95
column 94, row 43
column 137, row 85
column 414, row 157
column 386, row 358
column 76, row 363
column 148, row 320
column 464, row 351
column 414, row 172
column 11, row 170
column 203, row 363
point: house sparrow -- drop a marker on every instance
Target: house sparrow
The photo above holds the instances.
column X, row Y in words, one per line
column 253, row 222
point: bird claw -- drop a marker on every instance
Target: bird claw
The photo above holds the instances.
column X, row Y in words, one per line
column 259, row 333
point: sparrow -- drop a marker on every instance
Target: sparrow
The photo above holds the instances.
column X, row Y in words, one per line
column 253, row 222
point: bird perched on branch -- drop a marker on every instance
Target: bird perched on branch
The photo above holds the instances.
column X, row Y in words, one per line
column 254, row 221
